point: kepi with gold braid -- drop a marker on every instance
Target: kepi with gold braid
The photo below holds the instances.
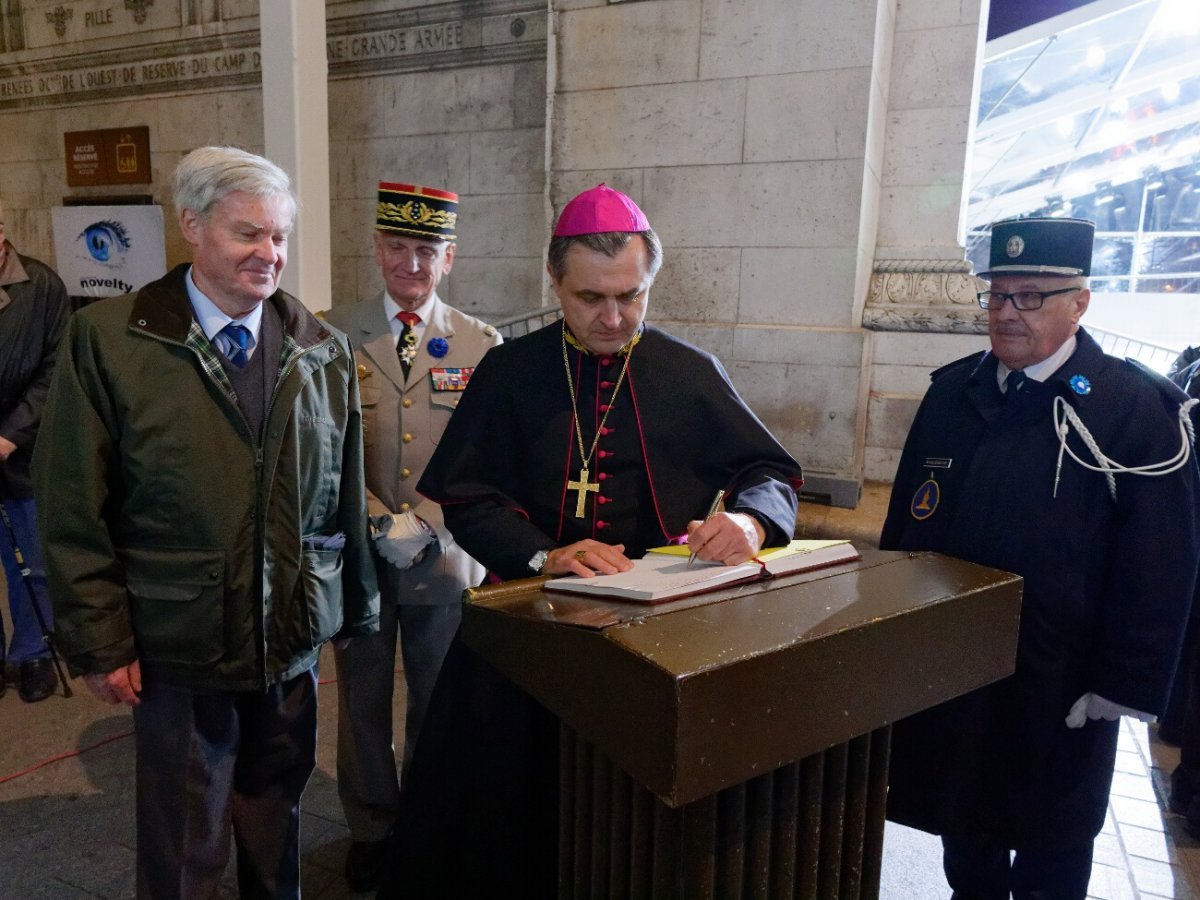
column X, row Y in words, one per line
column 417, row 211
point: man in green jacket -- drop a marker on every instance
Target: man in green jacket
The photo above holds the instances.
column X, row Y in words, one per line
column 199, row 476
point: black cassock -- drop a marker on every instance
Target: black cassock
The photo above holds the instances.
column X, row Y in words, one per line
column 1107, row 588
column 479, row 809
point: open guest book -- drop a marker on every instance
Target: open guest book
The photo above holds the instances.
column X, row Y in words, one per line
column 663, row 573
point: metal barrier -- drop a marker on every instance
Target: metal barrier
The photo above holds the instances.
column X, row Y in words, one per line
column 1152, row 355
column 525, row 322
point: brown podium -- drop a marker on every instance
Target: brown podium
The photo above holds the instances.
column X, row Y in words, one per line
column 735, row 744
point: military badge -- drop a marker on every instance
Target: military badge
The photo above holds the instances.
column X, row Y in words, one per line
column 451, row 379
column 437, row 347
column 363, row 372
column 407, row 349
column 1081, row 385
column 1015, row 246
column 925, row 500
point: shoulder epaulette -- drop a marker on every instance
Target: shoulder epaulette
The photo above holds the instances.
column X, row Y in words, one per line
column 1162, row 382
column 972, row 360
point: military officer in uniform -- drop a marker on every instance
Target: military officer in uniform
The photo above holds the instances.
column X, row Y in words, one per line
column 415, row 356
column 1048, row 458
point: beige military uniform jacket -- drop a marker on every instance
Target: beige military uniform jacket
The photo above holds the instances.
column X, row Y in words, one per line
column 402, row 424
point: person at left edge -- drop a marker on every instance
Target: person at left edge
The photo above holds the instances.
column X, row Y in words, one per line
column 200, row 484
column 33, row 314
column 412, row 374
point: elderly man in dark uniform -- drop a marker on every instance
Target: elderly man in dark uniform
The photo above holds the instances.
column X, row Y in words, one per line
column 1050, row 459
column 415, row 356
column 575, row 449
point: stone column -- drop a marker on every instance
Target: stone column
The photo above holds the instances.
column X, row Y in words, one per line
column 296, row 132
column 921, row 302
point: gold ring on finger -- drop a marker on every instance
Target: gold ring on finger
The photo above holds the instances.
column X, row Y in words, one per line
column 580, row 554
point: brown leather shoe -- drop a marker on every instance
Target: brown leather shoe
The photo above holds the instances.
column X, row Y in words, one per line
column 38, row 680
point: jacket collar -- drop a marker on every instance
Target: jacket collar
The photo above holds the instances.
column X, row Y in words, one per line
column 161, row 308
column 1086, row 361
column 12, row 272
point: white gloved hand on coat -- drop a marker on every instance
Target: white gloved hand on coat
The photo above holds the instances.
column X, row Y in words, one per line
column 402, row 539
column 1093, row 706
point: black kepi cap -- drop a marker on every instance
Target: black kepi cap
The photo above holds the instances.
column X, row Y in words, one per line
column 1041, row 246
column 418, row 211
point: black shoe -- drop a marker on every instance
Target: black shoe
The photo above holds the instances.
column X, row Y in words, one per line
column 364, row 864
column 38, row 680
column 1183, row 789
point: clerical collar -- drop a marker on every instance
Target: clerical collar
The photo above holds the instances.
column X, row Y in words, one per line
column 578, row 345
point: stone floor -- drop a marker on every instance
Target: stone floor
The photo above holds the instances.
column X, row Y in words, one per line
column 66, row 797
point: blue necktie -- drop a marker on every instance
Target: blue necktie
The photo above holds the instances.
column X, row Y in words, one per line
column 239, row 340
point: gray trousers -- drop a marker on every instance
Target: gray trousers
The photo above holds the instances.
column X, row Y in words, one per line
column 214, row 763
column 366, row 768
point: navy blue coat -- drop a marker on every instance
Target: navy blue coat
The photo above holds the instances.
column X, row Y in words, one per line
column 1108, row 585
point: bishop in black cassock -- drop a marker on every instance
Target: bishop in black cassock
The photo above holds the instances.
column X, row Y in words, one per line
column 594, row 438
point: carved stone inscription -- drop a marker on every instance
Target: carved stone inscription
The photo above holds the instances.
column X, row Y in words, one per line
column 401, row 41
column 49, row 23
column 445, row 34
column 174, row 73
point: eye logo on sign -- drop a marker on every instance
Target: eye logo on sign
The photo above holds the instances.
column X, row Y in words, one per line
column 106, row 241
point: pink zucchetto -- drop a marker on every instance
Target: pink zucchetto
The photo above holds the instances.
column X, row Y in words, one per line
column 599, row 210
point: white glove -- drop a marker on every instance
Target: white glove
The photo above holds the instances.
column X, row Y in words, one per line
column 401, row 539
column 1093, row 706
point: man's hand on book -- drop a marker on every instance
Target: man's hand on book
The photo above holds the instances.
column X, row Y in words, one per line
column 727, row 538
column 587, row 558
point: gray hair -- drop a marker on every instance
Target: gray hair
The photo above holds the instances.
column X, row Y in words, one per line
column 207, row 175
column 610, row 243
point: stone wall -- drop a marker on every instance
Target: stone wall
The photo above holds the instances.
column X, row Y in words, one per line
column 921, row 300
column 450, row 95
column 743, row 130
column 803, row 162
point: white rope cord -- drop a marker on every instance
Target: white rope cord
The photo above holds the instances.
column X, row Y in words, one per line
column 1065, row 416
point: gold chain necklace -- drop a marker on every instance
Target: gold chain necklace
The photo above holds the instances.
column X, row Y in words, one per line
column 583, row 487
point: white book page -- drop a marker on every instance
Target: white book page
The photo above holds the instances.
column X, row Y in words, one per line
column 655, row 577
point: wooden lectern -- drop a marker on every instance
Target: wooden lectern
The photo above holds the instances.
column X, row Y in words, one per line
column 735, row 744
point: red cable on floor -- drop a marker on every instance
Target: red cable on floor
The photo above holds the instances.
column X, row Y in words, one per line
column 62, row 756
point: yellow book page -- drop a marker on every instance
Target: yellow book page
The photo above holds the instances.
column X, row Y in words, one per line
column 763, row 555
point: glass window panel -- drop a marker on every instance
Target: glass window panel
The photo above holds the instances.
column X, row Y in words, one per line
column 1090, row 54
column 1169, row 255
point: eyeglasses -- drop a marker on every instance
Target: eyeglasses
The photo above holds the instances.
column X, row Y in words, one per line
column 1022, row 300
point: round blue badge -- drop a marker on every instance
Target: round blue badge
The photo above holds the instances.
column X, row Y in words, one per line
column 1080, row 385
column 437, row 347
column 925, row 500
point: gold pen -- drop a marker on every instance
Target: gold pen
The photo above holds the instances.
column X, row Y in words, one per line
column 712, row 509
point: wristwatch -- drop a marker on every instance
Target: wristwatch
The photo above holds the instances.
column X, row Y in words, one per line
column 538, row 560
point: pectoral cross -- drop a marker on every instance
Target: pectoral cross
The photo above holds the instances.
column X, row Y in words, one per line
column 581, row 487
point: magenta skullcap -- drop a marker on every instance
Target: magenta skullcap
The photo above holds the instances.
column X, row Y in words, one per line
column 599, row 210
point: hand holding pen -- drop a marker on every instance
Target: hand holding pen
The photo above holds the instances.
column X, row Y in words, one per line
column 729, row 538
column 708, row 515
